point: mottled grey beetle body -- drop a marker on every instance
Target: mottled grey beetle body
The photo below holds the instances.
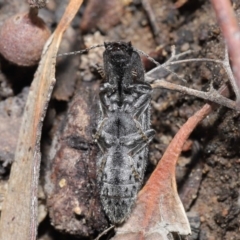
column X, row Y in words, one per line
column 123, row 131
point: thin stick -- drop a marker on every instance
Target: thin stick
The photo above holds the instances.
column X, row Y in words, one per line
column 104, row 232
column 173, row 56
column 193, row 60
column 225, row 63
column 230, row 29
column 152, row 19
column 158, row 67
column 228, row 69
column 176, row 56
column 212, row 95
column 164, row 65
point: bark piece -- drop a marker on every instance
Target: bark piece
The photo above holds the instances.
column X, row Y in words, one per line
column 73, row 201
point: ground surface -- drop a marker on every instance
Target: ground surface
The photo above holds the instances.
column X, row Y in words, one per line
column 208, row 170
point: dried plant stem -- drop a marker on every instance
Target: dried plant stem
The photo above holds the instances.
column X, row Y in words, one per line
column 225, row 63
column 230, row 29
column 167, row 63
column 152, row 19
column 104, row 232
column 193, row 60
column 212, row 95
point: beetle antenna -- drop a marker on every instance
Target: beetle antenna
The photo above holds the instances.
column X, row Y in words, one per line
column 81, row 51
column 147, row 56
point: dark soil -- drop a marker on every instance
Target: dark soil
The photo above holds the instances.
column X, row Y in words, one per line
column 208, row 170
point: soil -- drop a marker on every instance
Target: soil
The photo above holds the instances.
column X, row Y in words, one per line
column 208, row 170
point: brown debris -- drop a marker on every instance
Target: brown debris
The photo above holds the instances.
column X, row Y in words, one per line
column 73, row 202
column 101, row 16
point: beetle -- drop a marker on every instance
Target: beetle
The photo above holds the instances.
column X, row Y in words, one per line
column 123, row 132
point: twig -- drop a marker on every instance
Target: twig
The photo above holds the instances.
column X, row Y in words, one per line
column 152, row 19
column 193, row 60
column 228, row 69
column 225, row 63
column 230, row 29
column 173, row 53
column 104, row 232
column 170, row 62
column 176, row 56
column 159, row 66
column 173, row 56
column 19, row 212
column 212, row 95
column 164, row 65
